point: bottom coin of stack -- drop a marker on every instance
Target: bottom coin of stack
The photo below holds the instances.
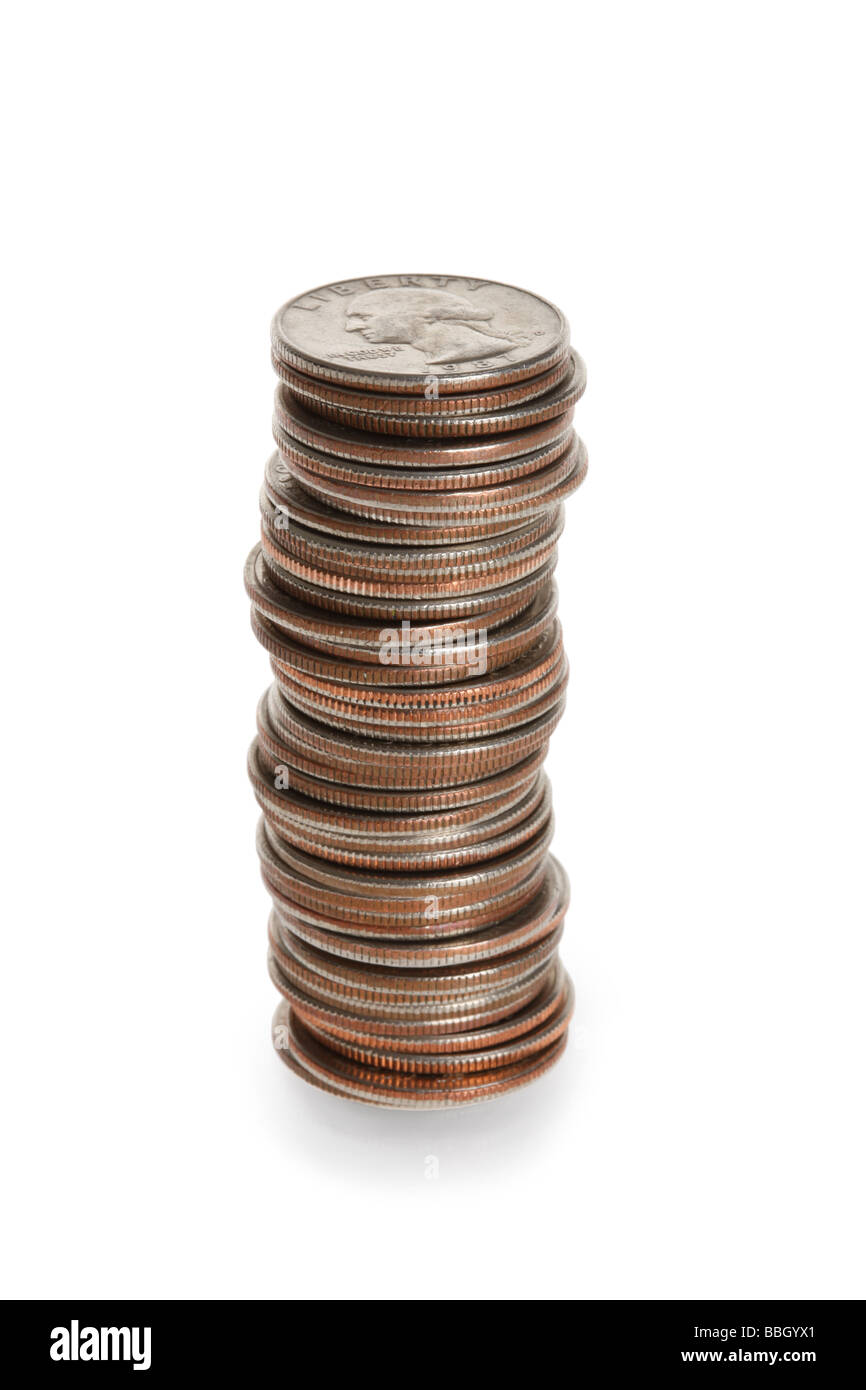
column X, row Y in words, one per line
column 403, row 590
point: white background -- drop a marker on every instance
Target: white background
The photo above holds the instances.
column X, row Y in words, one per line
column 686, row 182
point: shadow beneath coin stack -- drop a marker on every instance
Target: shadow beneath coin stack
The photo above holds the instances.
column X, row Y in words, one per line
column 468, row 1145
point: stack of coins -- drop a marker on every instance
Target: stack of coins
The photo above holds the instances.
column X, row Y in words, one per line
column 403, row 587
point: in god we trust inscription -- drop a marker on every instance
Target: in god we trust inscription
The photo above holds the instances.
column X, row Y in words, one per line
column 397, row 331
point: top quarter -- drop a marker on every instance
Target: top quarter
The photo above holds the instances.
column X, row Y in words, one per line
column 420, row 333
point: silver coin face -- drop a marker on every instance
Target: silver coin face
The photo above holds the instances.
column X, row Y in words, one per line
column 407, row 332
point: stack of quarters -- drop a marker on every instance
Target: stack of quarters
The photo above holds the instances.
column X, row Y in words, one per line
column 403, row 587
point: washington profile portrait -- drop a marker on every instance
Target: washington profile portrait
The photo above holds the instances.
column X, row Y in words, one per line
column 444, row 327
